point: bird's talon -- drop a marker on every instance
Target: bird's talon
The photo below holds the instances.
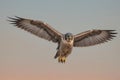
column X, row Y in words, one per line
column 62, row 59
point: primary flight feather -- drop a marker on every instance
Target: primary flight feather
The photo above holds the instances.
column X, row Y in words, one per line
column 65, row 41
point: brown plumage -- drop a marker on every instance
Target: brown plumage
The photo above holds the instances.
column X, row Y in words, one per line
column 65, row 41
column 93, row 37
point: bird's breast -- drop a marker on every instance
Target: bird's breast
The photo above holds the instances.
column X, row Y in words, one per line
column 66, row 47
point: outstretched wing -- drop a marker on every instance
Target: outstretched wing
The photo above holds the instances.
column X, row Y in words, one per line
column 37, row 28
column 93, row 37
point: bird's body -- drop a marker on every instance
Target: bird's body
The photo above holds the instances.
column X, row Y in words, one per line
column 64, row 50
column 67, row 41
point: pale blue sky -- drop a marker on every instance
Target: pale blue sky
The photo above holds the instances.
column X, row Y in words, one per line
column 24, row 54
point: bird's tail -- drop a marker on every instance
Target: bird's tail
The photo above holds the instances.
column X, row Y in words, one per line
column 57, row 54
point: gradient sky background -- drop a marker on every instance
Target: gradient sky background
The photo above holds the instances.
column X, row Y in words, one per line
column 26, row 57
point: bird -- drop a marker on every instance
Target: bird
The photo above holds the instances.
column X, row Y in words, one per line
column 65, row 42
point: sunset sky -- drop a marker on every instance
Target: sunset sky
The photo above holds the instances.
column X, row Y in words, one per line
column 24, row 56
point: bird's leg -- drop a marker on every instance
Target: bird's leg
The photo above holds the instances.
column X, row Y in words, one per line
column 62, row 59
column 59, row 59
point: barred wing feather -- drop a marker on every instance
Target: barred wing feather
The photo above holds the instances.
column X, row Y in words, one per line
column 38, row 28
column 93, row 37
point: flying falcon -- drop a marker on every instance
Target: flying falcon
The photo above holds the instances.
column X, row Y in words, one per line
column 67, row 41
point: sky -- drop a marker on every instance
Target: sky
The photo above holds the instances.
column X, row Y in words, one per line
column 24, row 56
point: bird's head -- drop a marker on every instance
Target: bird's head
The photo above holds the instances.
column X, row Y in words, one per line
column 69, row 37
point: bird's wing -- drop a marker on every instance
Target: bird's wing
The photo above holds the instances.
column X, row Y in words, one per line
column 93, row 37
column 38, row 28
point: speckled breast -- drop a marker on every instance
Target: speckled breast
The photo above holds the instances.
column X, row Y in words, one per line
column 66, row 48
